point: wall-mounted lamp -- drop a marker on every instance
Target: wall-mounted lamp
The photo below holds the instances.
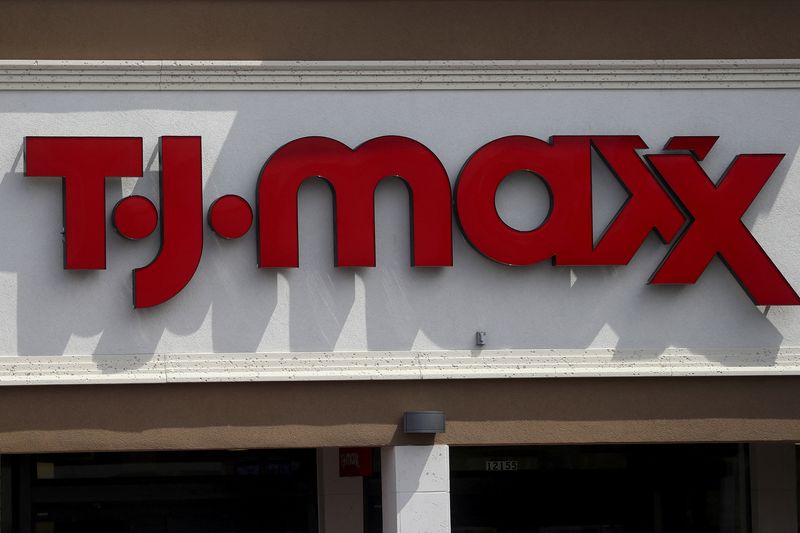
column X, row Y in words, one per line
column 423, row 422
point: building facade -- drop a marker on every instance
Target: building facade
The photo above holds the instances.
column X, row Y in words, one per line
column 217, row 315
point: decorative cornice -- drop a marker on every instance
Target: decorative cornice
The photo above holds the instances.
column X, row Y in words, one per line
column 395, row 75
column 386, row 365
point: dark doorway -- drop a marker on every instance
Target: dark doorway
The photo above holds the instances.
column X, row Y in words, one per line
column 171, row 492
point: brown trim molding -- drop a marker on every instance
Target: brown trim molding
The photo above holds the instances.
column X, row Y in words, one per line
column 368, row 413
column 398, row 29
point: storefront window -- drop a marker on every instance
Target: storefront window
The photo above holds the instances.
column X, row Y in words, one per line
column 599, row 489
column 172, row 492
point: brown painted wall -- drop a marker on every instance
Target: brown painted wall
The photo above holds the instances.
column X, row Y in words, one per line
column 261, row 415
column 399, row 29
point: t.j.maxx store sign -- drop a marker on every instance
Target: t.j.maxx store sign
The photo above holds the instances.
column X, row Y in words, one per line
column 668, row 192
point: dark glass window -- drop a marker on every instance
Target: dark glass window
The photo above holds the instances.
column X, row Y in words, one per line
column 171, row 492
column 600, row 489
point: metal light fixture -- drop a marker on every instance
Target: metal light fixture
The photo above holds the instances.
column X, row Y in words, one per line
column 423, row 422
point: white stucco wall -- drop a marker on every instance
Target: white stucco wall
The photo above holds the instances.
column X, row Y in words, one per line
column 592, row 319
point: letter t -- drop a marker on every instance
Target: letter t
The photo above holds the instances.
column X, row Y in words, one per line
column 84, row 163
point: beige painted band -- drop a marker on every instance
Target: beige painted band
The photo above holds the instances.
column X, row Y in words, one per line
column 312, row 414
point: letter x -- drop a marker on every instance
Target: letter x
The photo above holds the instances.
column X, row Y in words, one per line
column 716, row 226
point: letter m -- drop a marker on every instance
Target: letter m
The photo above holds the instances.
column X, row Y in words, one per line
column 353, row 175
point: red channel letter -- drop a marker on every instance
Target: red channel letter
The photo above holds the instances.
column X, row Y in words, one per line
column 698, row 145
column 717, row 228
column 648, row 208
column 181, row 224
column 84, row 163
column 564, row 165
column 353, row 175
